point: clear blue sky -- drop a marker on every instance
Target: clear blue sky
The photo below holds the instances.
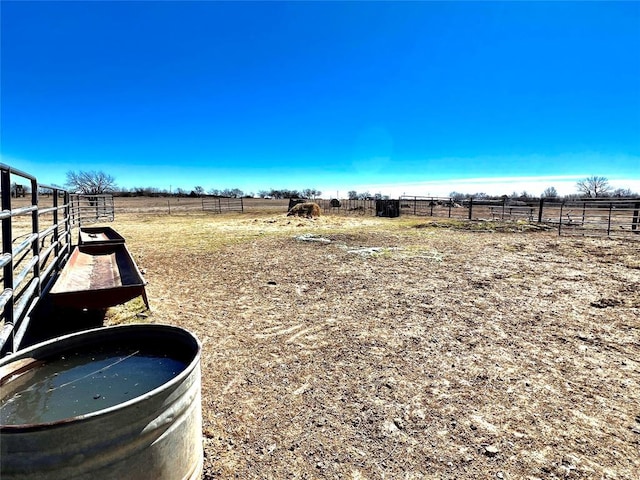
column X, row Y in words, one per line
column 399, row 97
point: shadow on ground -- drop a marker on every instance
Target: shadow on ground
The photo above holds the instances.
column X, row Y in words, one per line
column 50, row 321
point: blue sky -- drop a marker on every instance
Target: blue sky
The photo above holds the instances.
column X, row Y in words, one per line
column 398, row 97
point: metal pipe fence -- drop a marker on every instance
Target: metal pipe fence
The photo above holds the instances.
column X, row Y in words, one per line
column 36, row 243
column 606, row 216
column 587, row 216
column 87, row 209
column 346, row 206
column 432, row 207
column 222, row 204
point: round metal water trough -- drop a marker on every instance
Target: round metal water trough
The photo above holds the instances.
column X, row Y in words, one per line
column 117, row 402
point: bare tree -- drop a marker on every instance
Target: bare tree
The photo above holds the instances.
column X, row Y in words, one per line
column 90, row 183
column 623, row 192
column 550, row 192
column 232, row 193
column 594, row 186
column 311, row 193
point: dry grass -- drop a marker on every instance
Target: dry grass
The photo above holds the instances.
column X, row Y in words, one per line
column 400, row 352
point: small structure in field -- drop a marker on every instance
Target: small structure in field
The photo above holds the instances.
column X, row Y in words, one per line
column 18, row 190
column 307, row 209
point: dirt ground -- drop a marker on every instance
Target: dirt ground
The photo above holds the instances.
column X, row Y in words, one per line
column 364, row 348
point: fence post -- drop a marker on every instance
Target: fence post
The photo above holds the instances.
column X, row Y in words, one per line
column 609, row 221
column 35, row 228
column 560, row 220
column 635, row 222
column 470, row 207
column 56, row 232
column 241, row 205
column 7, row 248
column 540, row 209
column 67, row 223
column 415, row 205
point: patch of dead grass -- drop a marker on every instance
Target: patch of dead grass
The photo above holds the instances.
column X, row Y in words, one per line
column 451, row 355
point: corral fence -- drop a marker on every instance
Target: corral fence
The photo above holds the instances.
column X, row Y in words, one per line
column 346, row 206
column 470, row 208
column 222, row 204
column 432, row 207
column 586, row 216
column 611, row 217
column 87, row 209
column 36, row 243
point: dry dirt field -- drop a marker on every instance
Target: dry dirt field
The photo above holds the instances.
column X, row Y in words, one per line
column 365, row 348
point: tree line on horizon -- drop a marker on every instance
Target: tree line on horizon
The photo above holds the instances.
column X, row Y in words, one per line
column 590, row 187
column 199, row 191
column 95, row 183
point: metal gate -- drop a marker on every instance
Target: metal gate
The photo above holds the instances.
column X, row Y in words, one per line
column 600, row 216
column 87, row 209
column 222, row 204
column 36, row 243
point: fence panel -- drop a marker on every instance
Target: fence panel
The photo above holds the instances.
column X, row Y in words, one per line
column 347, row 206
column 88, row 209
column 606, row 216
column 432, row 207
column 36, row 243
column 222, row 204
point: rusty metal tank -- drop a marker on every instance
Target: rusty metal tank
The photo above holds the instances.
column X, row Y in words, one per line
column 115, row 402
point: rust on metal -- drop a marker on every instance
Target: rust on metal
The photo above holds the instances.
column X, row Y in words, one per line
column 99, row 236
column 99, row 276
column 155, row 435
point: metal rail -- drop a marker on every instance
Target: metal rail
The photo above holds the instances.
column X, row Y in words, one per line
column 36, row 243
column 87, row 209
column 222, row 204
column 430, row 206
column 606, row 216
column 612, row 217
column 346, row 206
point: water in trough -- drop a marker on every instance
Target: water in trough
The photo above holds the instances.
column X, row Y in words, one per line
column 81, row 382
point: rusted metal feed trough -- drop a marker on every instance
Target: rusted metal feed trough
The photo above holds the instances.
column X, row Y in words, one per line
column 99, row 236
column 99, row 276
